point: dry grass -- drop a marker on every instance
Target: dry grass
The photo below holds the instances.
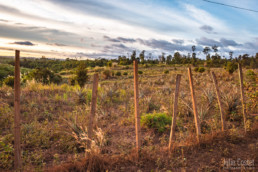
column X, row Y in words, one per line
column 46, row 143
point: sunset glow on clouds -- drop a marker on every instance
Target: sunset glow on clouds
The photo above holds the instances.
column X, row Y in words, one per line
column 104, row 28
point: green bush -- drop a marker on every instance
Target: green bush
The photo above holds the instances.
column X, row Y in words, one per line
column 109, row 64
column 157, row 121
column 72, row 81
column 196, row 69
column 118, row 73
column 125, row 73
column 45, row 76
column 9, row 81
column 166, row 71
column 231, row 67
column 201, row 69
column 6, row 155
column 140, row 72
column 81, row 75
column 106, row 74
column 250, row 74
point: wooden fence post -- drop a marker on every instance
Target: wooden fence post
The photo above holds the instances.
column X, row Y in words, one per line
column 136, row 107
column 17, row 115
column 173, row 125
column 196, row 116
column 223, row 125
column 93, row 107
column 242, row 92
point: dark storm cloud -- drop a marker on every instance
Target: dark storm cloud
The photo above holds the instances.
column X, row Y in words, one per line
column 208, row 29
column 27, row 43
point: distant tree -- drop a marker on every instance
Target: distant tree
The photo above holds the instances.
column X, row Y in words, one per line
column 162, row 58
column 206, row 51
column 177, row 58
column 256, row 56
column 169, row 58
column 193, row 55
column 215, row 48
column 133, row 56
column 142, row 56
column 193, row 48
column 231, row 55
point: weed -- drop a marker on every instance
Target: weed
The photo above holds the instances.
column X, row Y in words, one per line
column 157, row 121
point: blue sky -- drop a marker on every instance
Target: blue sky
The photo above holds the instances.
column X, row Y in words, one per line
column 105, row 28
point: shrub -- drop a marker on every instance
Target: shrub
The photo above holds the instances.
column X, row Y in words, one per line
column 109, row 64
column 196, row 69
column 201, row 69
column 106, row 74
column 9, row 81
column 251, row 75
column 126, row 67
column 157, row 121
column 166, row 71
column 118, row 73
column 72, row 81
column 45, row 76
column 57, row 79
column 231, row 67
column 146, row 65
column 140, row 72
column 125, row 73
column 81, row 75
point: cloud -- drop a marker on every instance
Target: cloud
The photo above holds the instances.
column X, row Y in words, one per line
column 2, row 20
column 39, row 34
column 208, row 29
column 227, row 42
column 116, row 48
column 110, row 39
column 119, row 39
column 27, row 43
column 178, row 41
column 207, row 42
column 56, row 44
column 164, row 45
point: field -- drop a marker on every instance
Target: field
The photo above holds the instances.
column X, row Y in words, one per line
column 54, row 118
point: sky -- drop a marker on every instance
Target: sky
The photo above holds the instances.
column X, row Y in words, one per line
column 84, row 29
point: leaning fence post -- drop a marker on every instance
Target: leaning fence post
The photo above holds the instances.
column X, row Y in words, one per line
column 219, row 101
column 93, row 107
column 173, row 125
column 17, row 115
column 242, row 92
column 196, row 116
column 136, row 105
